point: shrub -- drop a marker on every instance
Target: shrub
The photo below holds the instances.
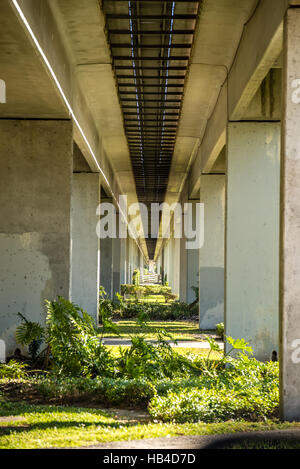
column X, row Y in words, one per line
column 104, row 391
column 220, row 330
column 173, row 311
column 74, row 342
column 246, row 389
column 30, row 334
column 136, row 277
column 13, row 370
column 130, row 309
column 145, row 360
column 138, row 292
column 154, row 310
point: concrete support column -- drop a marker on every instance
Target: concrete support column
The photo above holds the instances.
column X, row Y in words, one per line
column 35, row 219
column 252, row 235
column 116, row 262
column 193, row 262
column 167, row 261
column 189, row 263
column 106, row 265
column 211, row 277
column 290, row 224
column 85, row 242
column 176, row 261
column 129, row 260
column 123, row 261
column 170, row 248
column 106, row 261
column 141, row 267
column 183, row 270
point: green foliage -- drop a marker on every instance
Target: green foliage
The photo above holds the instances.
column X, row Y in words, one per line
column 73, row 338
column 152, row 361
column 196, row 291
column 13, row 370
column 239, row 345
column 129, row 310
column 101, row 391
column 155, row 311
column 136, row 277
column 220, row 330
column 180, row 388
column 106, row 310
column 247, row 389
column 30, row 334
column 144, row 290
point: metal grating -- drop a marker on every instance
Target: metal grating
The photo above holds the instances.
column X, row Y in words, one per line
column 150, row 43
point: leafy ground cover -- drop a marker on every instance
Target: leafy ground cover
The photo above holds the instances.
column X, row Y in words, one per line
column 178, row 392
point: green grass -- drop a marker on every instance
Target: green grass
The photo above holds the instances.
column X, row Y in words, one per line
column 180, row 330
column 200, row 353
column 61, row 427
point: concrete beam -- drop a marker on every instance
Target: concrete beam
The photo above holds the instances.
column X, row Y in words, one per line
column 48, row 26
column 260, row 46
column 213, row 141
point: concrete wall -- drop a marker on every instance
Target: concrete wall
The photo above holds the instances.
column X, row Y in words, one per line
column 211, row 277
column 252, row 234
column 35, row 209
column 85, row 242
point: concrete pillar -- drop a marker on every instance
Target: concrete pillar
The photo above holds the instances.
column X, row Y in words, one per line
column 106, row 265
column 159, row 266
column 252, row 235
column 193, row 262
column 175, row 254
column 128, row 260
column 167, row 261
column 211, row 277
column 183, row 270
column 141, row 267
column 189, row 264
column 170, row 248
column 85, row 242
column 35, row 219
column 290, row 224
column 116, row 266
column 123, row 261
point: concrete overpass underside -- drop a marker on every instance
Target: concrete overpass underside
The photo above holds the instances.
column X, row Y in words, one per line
column 162, row 101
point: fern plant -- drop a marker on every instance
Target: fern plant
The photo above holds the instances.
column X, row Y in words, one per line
column 30, row 334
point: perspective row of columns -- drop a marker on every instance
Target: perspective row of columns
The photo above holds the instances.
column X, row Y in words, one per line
column 249, row 266
column 48, row 241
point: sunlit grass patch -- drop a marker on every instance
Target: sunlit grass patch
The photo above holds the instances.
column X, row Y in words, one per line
column 61, row 427
column 180, row 330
